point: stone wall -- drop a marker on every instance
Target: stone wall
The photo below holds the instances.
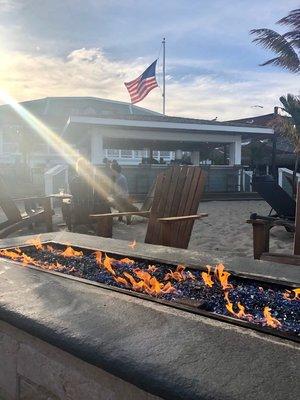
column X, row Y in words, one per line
column 31, row 369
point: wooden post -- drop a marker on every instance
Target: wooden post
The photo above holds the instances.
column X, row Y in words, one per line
column 48, row 213
column 274, row 150
column 225, row 154
column 261, row 237
column 297, row 224
column 104, row 227
column 150, row 155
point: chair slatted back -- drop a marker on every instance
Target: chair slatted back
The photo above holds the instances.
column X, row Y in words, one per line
column 178, row 191
column 8, row 205
column 275, row 196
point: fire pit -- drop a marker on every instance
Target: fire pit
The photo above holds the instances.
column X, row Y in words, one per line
column 272, row 307
column 254, row 295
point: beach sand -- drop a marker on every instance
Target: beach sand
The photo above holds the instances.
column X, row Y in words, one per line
column 224, row 230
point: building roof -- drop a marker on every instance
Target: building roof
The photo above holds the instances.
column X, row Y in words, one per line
column 57, row 111
column 262, row 120
column 283, row 145
column 81, row 106
column 182, row 120
column 61, row 108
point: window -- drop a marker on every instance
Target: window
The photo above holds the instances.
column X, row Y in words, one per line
column 126, row 153
column 113, row 153
column 165, row 154
column 140, row 153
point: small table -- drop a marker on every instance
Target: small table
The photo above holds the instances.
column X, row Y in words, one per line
column 61, row 196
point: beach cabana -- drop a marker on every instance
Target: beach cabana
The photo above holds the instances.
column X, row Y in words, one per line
column 156, row 132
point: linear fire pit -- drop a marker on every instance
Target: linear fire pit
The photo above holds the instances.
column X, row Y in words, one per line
column 224, row 327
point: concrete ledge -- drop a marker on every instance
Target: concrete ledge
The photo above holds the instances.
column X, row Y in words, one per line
column 32, row 369
column 164, row 352
column 257, row 269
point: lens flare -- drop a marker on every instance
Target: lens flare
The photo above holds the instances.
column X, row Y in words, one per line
column 95, row 179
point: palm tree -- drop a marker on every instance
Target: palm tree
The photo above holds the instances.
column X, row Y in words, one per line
column 291, row 128
column 286, row 46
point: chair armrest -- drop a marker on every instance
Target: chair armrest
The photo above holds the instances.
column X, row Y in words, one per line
column 182, row 218
column 281, row 258
column 31, row 198
column 271, row 224
column 259, row 221
column 120, row 214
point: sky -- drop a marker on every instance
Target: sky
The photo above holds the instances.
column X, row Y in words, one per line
column 91, row 47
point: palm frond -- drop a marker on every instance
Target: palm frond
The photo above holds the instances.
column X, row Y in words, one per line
column 293, row 38
column 269, row 39
column 287, row 56
column 291, row 104
column 292, row 19
column 291, row 130
column 283, row 62
column 287, row 129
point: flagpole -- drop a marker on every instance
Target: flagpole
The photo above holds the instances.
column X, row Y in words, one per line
column 164, row 76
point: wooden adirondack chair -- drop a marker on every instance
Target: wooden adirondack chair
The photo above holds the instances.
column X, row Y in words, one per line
column 261, row 238
column 174, row 209
column 15, row 219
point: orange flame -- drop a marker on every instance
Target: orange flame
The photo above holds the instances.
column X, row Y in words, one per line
column 241, row 313
column 190, row 275
column 98, row 256
column 207, row 277
column 179, row 274
column 147, row 283
column 36, row 242
column 108, row 264
column 70, row 252
column 152, row 268
column 222, row 276
column 127, row 261
column 10, row 254
column 292, row 294
column 132, row 245
column 143, row 275
column 121, row 280
column 269, row 320
column 57, row 265
column 21, row 257
column 26, row 259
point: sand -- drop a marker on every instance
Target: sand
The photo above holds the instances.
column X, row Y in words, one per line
column 224, row 230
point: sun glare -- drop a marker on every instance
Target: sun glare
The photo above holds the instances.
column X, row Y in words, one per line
column 94, row 178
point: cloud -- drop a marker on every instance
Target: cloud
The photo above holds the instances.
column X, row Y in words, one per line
column 90, row 72
column 9, row 5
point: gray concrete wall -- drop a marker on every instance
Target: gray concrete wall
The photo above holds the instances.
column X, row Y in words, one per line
column 31, row 369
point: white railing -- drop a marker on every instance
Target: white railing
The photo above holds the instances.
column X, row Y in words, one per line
column 285, row 177
column 285, row 171
column 247, row 180
column 56, row 178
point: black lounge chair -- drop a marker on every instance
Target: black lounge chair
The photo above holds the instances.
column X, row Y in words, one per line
column 280, row 202
column 278, row 199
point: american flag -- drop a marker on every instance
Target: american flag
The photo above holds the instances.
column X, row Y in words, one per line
column 141, row 86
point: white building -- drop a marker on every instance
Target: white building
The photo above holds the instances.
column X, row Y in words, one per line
column 104, row 128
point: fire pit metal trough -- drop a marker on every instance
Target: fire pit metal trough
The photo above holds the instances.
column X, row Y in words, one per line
column 203, row 306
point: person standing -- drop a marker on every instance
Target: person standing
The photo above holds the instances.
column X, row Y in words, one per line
column 121, row 193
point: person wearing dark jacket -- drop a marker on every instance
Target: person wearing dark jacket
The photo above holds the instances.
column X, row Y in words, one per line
column 85, row 199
